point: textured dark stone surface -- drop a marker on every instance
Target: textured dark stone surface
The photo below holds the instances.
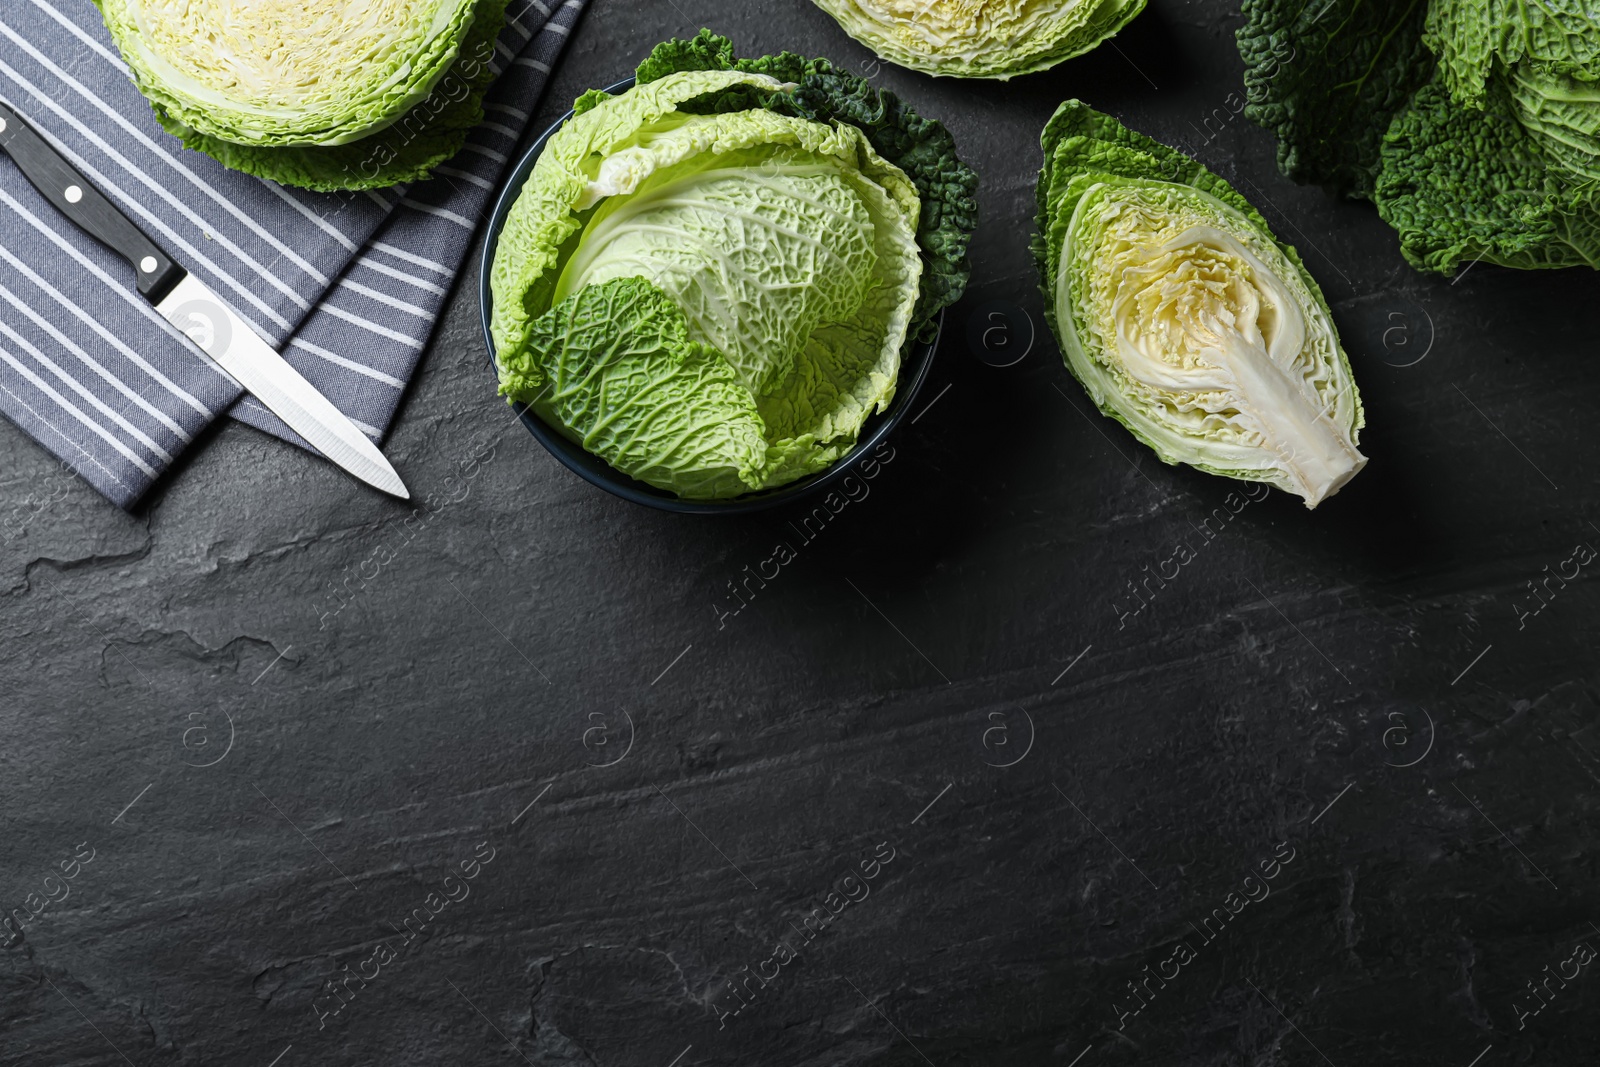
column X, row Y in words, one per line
column 1293, row 664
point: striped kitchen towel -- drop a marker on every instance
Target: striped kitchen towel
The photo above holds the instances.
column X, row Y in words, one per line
column 347, row 285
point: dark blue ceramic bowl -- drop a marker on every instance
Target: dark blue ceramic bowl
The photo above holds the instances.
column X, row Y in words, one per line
column 913, row 372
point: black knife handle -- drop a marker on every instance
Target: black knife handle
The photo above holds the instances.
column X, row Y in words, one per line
column 81, row 202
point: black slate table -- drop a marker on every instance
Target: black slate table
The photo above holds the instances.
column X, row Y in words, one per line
column 529, row 774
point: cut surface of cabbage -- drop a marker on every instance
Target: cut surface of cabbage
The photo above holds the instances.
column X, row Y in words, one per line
column 1200, row 335
column 281, row 72
column 981, row 38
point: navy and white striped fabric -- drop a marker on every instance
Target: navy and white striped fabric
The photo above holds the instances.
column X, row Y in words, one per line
column 348, row 285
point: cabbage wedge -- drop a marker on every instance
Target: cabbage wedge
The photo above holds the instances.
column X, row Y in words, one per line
column 1184, row 318
column 981, row 38
column 355, row 95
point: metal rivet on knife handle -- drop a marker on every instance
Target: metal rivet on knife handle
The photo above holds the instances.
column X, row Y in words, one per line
column 76, row 197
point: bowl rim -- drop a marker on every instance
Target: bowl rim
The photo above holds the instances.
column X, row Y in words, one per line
column 603, row 476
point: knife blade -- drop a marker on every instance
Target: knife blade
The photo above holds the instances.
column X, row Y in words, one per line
column 207, row 321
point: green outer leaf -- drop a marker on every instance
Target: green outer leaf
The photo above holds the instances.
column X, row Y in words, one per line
column 704, row 51
column 405, row 150
column 1327, row 77
column 1562, row 113
column 921, row 147
column 1083, row 148
column 1045, row 33
column 388, row 88
column 1475, row 39
column 847, row 371
column 541, row 221
column 590, row 100
column 1493, row 156
column 616, row 360
column 710, row 245
column 1461, row 185
column 1466, row 36
column 1547, row 54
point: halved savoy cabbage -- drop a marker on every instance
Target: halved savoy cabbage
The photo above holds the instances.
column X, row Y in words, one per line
column 1184, row 318
column 356, row 95
column 981, row 38
column 709, row 280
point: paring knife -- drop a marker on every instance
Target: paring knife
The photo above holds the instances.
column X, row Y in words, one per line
column 187, row 304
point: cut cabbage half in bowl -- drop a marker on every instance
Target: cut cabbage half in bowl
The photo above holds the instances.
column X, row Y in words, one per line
column 354, row 95
column 1184, row 318
column 708, row 280
column 981, row 38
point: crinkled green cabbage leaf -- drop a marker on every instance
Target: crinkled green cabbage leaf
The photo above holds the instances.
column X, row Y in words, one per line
column 1474, row 125
column 357, row 96
column 1461, row 185
column 1183, row 316
column 1561, row 112
column 621, row 376
column 1476, row 38
column 981, row 38
column 921, row 147
column 704, row 286
column 1327, row 78
column 1547, row 55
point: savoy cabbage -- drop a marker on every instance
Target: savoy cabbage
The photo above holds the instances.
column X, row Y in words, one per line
column 1185, row 319
column 708, row 281
column 997, row 39
column 1473, row 125
column 357, row 95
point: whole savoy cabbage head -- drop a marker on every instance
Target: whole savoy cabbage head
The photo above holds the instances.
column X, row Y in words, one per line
column 1474, row 125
